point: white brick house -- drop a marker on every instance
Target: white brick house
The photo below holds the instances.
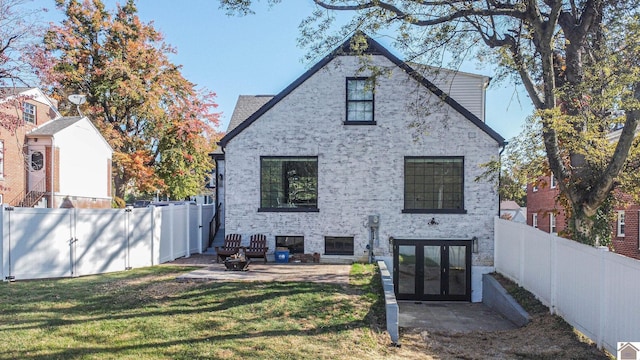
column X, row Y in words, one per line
column 340, row 162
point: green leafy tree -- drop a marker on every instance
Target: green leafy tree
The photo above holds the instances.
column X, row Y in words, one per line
column 579, row 62
column 158, row 124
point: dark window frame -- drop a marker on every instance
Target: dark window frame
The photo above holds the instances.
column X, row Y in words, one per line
column 263, row 208
column 368, row 82
column 410, row 210
column 336, row 251
column 293, row 249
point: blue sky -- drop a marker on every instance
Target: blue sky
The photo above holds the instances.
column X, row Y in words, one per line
column 258, row 54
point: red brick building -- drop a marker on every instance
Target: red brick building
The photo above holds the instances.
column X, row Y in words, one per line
column 37, row 109
column 544, row 213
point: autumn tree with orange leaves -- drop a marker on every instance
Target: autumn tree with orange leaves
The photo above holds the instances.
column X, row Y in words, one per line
column 19, row 31
column 158, row 124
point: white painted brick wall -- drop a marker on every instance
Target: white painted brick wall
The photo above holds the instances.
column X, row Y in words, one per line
column 360, row 167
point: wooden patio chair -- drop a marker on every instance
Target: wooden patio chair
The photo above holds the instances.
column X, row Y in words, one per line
column 257, row 247
column 230, row 247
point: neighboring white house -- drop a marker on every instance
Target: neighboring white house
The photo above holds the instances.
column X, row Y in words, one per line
column 356, row 167
column 77, row 172
column 510, row 210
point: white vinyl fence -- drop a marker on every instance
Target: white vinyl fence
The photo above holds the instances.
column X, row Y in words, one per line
column 49, row 243
column 596, row 291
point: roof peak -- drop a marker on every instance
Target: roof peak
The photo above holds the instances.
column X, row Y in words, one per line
column 359, row 44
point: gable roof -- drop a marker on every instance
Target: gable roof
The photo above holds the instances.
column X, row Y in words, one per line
column 33, row 93
column 373, row 48
column 509, row 205
column 55, row 126
column 246, row 106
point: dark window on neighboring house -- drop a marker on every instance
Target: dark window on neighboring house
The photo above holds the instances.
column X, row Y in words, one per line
column 359, row 101
column 295, row 244
column 29, row 113
column 338, row 245
column 289, row 183
column 434, row 184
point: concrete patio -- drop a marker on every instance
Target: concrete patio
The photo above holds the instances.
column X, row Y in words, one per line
column 455, row 317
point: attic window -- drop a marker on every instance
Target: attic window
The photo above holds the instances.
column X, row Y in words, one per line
column 360, row 101
column 29, row 113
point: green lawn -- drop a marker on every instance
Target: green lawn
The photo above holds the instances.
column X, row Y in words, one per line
column 146, row 314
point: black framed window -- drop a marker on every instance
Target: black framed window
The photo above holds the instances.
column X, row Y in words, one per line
column 289, row 183
column 338, row 245
column 360, row 101
column 295, row 244
column 434, row 184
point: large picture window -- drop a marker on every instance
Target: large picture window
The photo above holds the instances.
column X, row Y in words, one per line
column 434, row 184
column 289, row 183
column 359, row 101
column 338, row 245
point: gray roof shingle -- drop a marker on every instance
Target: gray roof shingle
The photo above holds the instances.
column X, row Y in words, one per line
column 245, row 107
column 6, row 91
column 54, row 126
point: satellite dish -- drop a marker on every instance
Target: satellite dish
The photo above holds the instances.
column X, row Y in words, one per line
column 77, row 99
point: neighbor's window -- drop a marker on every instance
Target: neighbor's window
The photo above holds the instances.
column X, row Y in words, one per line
column 359, row 101
column 621, row 223
column 289, row 183
column 338, row 245
column 552, row 224
column 29, row 113
column 553, row 182
column 534, row 220
column 434, row 184
column 295, row 244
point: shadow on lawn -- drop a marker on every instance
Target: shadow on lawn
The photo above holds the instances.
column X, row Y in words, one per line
column 130, row 297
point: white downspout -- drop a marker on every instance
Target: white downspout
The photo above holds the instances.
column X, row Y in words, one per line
column 53, row 169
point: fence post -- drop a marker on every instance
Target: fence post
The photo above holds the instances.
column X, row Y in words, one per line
column 200, row 228
column 496, row 247
column 187, row 230
column 127, row 234
column 522, row 258
column 553, row 254
column 171, row 219
column 2, row 237
column 153, row 233
column 602, row 321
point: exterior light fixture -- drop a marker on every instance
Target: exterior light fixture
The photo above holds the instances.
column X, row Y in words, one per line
column 474, row 245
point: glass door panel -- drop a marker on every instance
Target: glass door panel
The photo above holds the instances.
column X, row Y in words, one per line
column 407, row 269
column 432, row 273
column 457, row 270
column 432, row 269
